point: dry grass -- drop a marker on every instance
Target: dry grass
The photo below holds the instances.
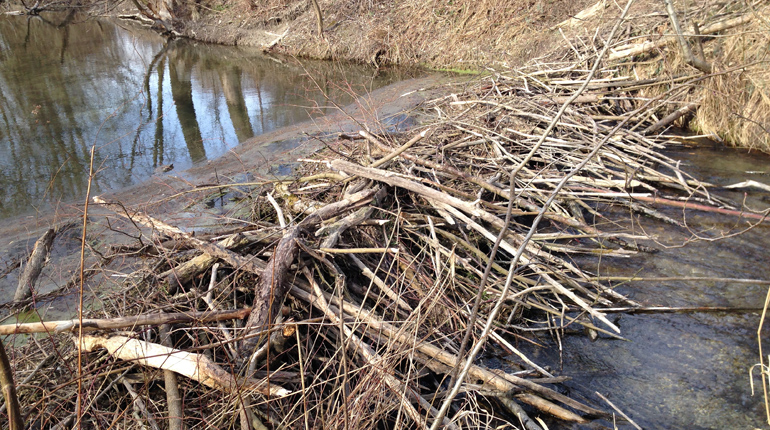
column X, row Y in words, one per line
column 734, row 103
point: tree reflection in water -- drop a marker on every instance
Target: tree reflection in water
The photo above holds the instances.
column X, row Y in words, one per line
column 68, row 82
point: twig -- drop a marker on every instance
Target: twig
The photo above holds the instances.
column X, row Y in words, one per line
column 618, row 410
column 139, row 405
column 517, row 256
column 15, row 419
column 81, row 292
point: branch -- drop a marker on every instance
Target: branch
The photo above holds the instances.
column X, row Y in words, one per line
column 122, row 322
column 194, row 366
column 697, row 62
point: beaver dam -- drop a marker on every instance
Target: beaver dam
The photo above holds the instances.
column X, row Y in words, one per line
column 363, row 291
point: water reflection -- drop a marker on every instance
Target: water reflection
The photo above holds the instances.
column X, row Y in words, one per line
column 67, row 83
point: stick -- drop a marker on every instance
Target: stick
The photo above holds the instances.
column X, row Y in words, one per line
column 398, row 151
column 618, row 410
column 174, row 400
column 271, row 289
column 234, row 260
column 688, row 205
column 209, row 299
column 139, row 405
column 441, row 360
column 15, row 419
column 185, row 272
column 371, row 357
column 668, row 119
column 194, row 366
column 122, row 322
column 698, row 63
column 649, row 46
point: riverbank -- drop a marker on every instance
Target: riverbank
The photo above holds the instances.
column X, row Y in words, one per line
column 731, row 105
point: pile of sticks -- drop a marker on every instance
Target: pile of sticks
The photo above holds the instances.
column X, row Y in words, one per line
column 364, row 293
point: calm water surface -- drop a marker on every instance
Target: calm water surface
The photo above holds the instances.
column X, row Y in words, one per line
column 68, row 82
column 681, row 371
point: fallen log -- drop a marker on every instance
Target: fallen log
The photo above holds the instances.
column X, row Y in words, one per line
column 34, row 266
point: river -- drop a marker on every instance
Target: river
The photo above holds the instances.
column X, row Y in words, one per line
column 68, row 82
column 684, row 370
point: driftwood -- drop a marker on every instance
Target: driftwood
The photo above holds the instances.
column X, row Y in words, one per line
column 34, row 266
column 194, row 366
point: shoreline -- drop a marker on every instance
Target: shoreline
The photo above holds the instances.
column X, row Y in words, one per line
column 255, row 156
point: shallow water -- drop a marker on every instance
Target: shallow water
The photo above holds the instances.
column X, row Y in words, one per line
column 681, row 370
column 68, row 82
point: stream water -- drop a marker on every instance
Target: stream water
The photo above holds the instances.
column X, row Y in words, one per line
column 68, row 82
column 681, row 370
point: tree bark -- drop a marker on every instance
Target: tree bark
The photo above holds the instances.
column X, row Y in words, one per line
column 34, row 266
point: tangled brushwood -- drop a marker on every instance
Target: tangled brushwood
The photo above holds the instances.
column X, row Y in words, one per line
column 361, row 293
